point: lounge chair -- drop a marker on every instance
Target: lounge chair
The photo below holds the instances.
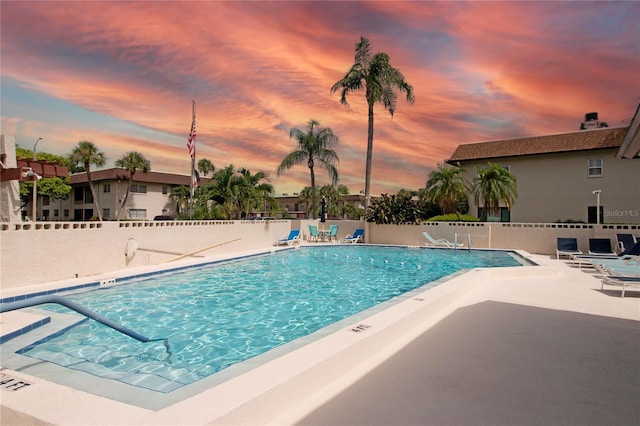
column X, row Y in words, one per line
column 441, row 242
column 567, row 247
column 634, row 250
column 624, row 242
column 314, row 235
column 333, row 232
column 291, row 239
column 355, row 237
column 622, row 281
column 590, row 260
column 600, row 246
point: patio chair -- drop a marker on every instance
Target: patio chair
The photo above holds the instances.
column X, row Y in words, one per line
column 624, row 242
column 291, row 239
column 355, row 237
column 600, row 246
column 314, row 235
column 622, row 281
column 333, row 232
column 441, row 242
column 566, row 247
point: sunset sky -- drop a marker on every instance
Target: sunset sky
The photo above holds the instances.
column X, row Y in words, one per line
column 123, row 75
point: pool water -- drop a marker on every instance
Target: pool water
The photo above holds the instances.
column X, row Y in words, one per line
column 218, row 315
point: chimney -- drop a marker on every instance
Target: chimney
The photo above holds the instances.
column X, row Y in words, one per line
column 591, row 120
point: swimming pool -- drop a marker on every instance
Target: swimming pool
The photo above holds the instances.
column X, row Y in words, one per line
column 215, row 316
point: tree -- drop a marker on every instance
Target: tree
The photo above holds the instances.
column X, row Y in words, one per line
column 87, row 154
column 379, row 79
column 251, row 192
column 55, row 188
column 445, row 187
column 205, row 166
column 223, row 191
column 180, row 194
column 494, row 184
column 132, row 162
column 394, row 209
column 315, row 145
column 305, row 197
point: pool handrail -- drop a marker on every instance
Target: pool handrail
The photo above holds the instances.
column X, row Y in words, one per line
column 50, row 298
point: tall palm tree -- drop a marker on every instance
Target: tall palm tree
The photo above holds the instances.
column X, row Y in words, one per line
column 379, row 79
column 314, row 145
column 132, row 162
column 205, row 166
column 445, row 187
column 87, row 154
column 494, row 184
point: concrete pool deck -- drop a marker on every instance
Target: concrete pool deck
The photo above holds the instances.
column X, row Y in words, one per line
column 535, row 345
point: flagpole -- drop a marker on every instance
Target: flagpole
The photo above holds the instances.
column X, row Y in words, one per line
column 192, row 152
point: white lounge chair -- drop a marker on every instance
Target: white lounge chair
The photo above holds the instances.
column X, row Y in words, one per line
column 291, row 239
column 355, row 237
column 441, row 242
column 622, row 281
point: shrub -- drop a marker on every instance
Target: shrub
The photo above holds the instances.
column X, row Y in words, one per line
column 452, row 217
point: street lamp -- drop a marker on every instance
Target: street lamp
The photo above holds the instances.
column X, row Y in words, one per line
column 35, row 192
column 597, row 192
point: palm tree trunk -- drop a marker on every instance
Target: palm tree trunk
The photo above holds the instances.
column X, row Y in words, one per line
column 367, row 179
column 124, row 201
column 313, row 193
column 93, row 193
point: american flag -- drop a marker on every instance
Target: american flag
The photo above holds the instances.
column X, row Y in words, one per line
column 191, row 142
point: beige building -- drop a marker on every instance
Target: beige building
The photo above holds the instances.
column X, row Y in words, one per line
column 150, row 196
column 567, row 176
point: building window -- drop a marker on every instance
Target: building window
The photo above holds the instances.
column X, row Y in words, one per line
column 106, row 213
column 165, row 190
column 56, row 212
column 45, row 214
column 507, row 167
column 45, row 200
column 137, row 213
column 504, row 215
column 106, row 187
column 595, row 168
column 138, row 189
column 78, row 195
column 65, row 212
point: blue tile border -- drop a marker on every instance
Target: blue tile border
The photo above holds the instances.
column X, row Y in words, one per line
column 25, row 330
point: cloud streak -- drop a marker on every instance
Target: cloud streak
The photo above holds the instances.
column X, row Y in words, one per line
column 123, row 74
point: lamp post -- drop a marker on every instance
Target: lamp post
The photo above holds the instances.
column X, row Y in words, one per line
column 35, row 180
column 597, row 192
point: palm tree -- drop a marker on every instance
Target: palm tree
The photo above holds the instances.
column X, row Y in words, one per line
column 379, row 79
column 445, row 187
column 180, row 194
column 223, row 190
column 315, row 145
column 205, row 166
column 494, row 184
column 87, row 154
column 252, row 192
column 305, row 197
column 132, row 162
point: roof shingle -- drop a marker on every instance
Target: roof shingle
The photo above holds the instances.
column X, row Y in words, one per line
column 574, row 141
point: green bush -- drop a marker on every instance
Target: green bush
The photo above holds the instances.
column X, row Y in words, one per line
column 452, row 217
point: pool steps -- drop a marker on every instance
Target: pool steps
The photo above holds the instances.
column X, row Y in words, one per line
column 39, row 300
